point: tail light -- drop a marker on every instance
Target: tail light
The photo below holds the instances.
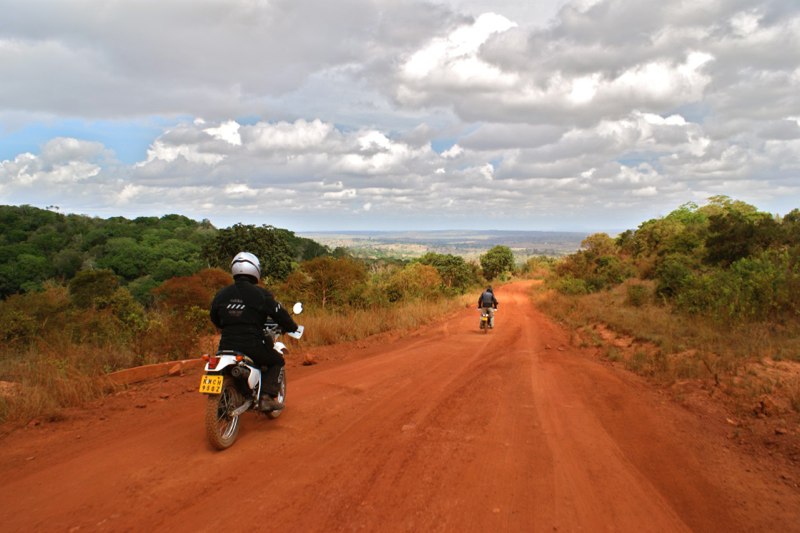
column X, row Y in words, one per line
column 213, row 361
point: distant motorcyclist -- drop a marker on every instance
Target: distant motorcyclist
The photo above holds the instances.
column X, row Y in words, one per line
column 487, row 301
column 240, row 311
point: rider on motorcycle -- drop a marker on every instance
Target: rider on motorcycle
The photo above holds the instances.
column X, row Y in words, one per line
column 240, row 311
column 488, row 302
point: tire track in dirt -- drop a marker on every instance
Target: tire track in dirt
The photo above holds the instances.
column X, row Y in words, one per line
column 446, row 429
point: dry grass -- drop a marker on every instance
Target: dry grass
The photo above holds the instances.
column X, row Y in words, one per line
column 40, row 381
column 46, row 380
column 673, row 333
column 793, row 393
column 324, row 328
column 668, row 347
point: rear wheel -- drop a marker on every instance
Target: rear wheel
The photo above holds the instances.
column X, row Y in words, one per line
column 281, row 394
column 221, row 427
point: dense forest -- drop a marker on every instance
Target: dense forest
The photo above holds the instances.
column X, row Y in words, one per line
column 37, row 245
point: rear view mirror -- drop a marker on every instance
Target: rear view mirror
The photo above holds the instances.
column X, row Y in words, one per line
column 297, row 308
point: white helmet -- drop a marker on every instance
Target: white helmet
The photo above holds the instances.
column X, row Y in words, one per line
column 246, row 264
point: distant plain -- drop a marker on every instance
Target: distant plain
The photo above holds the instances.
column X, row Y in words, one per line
column 469, row 244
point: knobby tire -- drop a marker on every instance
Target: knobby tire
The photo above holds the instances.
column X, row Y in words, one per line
column 222, row 429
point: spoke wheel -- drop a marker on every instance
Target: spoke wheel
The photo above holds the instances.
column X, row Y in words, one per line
column 221, row 427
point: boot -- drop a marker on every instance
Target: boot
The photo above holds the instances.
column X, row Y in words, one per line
column 268, row 403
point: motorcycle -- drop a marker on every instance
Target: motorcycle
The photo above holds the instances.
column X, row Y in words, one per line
column 487, row 322
column 232, row 382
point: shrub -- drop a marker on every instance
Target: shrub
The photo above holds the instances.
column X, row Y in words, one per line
column 610, row 270
column 571, row 286
column 89, row 285
column 326, row 280
column 142, row 289
column 637, row 294
column 757, row 288
column 126, row 309
column 673, row 275
column 413, row 282
column 456, row 274
column 196, row 290
column 24, row 317
column 538, row 267
column 599, row 264
column 15, row 324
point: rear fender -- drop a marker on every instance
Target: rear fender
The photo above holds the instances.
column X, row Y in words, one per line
column 254, row 379
column 228, row 361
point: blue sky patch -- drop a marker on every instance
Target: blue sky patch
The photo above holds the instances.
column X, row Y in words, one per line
column 128, row 139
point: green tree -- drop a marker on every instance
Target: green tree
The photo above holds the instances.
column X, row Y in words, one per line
column 126, row 257
column 269, row 244
column 682, row 231
column 33, row 270
column 496, row 261
column 790, row 226
column 64, row 244
column 455, row 273
column 599, row 265
column 304, row 249
column 173, row 257
column 734, row 235
column 67, row 262
column 326, row 280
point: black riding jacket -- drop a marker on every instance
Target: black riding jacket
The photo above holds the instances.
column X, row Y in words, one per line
column 240, row 311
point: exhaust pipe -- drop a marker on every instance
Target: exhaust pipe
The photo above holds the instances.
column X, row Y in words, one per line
column 240, row 372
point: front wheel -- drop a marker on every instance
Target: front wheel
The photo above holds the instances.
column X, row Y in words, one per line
column 221, row 427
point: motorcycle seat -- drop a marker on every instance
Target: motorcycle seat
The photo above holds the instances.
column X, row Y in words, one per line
column 246, row 359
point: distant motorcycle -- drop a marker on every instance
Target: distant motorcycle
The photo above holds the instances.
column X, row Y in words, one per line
column 233, row 385
column 486, row 321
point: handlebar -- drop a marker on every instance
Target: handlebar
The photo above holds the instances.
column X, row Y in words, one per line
column 274, row 330
column 297, row 334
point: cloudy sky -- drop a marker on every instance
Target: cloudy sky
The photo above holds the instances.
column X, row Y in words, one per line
column 590, row 115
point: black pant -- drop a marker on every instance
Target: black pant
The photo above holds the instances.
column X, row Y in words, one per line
column 265, row 357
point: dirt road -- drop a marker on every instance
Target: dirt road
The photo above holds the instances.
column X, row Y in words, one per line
column 447, row 429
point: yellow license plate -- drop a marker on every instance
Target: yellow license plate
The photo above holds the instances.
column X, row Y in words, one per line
column 211, row 384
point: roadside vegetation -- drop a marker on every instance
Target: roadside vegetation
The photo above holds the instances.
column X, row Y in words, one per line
column 135, row 292
column 709, row 292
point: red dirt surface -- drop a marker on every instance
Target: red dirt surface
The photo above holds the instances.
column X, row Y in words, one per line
column 445, row 429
